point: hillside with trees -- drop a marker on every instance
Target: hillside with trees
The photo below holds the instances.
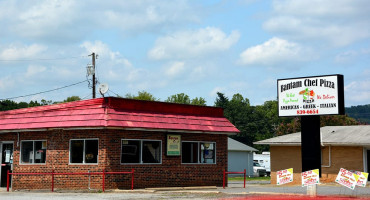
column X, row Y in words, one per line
column 361, row 113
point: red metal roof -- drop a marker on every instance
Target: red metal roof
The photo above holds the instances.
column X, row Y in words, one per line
column 113, row 112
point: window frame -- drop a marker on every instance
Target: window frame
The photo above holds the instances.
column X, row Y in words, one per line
column 199, row 150
column 33, row 150
column 141, row 152
column 84, row 152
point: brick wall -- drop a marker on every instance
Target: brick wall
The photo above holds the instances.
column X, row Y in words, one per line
column 284, row 157
column 169, row 173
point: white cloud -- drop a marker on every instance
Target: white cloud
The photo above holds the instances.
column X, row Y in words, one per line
column 352, row 56
column 6, row 84
column 175, row 69
column 339, row 23
column 20, row 51
column 358, row 91
column 33, row 70
column 274, row 51
column 71, row 21
column 192, row 44
column 103, row 50
column 345, row 57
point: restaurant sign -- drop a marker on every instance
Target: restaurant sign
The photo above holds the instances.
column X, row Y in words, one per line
column 173, row 145
column 315, row 95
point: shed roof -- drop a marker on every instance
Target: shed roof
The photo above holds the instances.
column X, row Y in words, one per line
column 331, row 135
column 234, row 145
column 120, row 113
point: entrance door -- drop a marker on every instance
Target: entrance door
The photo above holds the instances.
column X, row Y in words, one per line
column 6, row 161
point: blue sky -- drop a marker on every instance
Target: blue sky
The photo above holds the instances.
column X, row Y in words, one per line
column 194, row 47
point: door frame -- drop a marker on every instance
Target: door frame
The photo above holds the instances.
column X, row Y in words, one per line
column 1, row 154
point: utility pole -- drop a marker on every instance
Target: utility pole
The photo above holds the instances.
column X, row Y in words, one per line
column 93, row 76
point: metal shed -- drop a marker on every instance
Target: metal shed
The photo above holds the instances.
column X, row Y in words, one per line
column 240, row 157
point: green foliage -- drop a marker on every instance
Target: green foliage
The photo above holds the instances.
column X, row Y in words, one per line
column 71, row 98
column 8, row 105
column 142, row 95
column 327, row 120
column 253, row 122
column 361, row 113
column 179, row 98
column 199, row 101
column 185, row 99
column 11, row 105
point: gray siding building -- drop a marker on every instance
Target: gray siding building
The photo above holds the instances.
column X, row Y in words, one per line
column 240, row 157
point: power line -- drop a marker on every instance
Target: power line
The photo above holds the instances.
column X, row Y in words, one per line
column 40, row 59
column 44, row 91
column 113, row 92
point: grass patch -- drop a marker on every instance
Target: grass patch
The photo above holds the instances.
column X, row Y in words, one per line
column 265, row 178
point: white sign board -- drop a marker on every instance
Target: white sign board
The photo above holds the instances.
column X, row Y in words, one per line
column 319, row 95
column 362, row 178
column 284, row 176
column 347, row 178
column 311, row 177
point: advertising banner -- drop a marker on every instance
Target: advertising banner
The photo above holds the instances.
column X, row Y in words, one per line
column 173, row 145
column 316, row 95
column 311, row 177
column 347, row 178
column 284, row 176
column 362, row 178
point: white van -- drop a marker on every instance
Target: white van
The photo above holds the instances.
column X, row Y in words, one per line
column 263, row 160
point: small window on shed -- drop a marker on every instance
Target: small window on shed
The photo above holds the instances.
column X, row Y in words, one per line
column 33, row 152
column 84, row 151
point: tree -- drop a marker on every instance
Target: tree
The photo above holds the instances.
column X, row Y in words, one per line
column 8, row 105
column 142, row 95
column 185, row 99
column 221, row 100
column 44, row 102
column 72, row 98
column 179, row 98
column 198, row 101
column 239, row 112
column 326, row 120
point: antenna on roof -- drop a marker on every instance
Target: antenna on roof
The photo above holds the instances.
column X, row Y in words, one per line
column 103, row 88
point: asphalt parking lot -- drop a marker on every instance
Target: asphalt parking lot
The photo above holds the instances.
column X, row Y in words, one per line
column 253, row 190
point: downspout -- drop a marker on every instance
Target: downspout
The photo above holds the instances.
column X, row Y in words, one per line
column 322, row 144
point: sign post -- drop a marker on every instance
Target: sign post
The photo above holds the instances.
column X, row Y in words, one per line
column 309, row 98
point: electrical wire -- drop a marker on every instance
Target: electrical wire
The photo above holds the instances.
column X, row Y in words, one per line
column 113, row 92
column 44, row 91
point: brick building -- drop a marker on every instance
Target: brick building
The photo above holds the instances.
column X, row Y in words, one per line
column 166, row 144
column 341, row 147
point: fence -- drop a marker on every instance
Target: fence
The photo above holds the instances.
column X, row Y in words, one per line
column 225, row 172
column 82, row 173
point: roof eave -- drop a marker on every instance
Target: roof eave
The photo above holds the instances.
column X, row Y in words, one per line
column 119, row 128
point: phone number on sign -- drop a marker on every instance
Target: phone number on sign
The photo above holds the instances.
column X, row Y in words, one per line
column 308, row 112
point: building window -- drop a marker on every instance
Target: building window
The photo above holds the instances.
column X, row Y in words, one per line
column 141, row 151
column 198, row 152
column 84, row 151
column 33, row 152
